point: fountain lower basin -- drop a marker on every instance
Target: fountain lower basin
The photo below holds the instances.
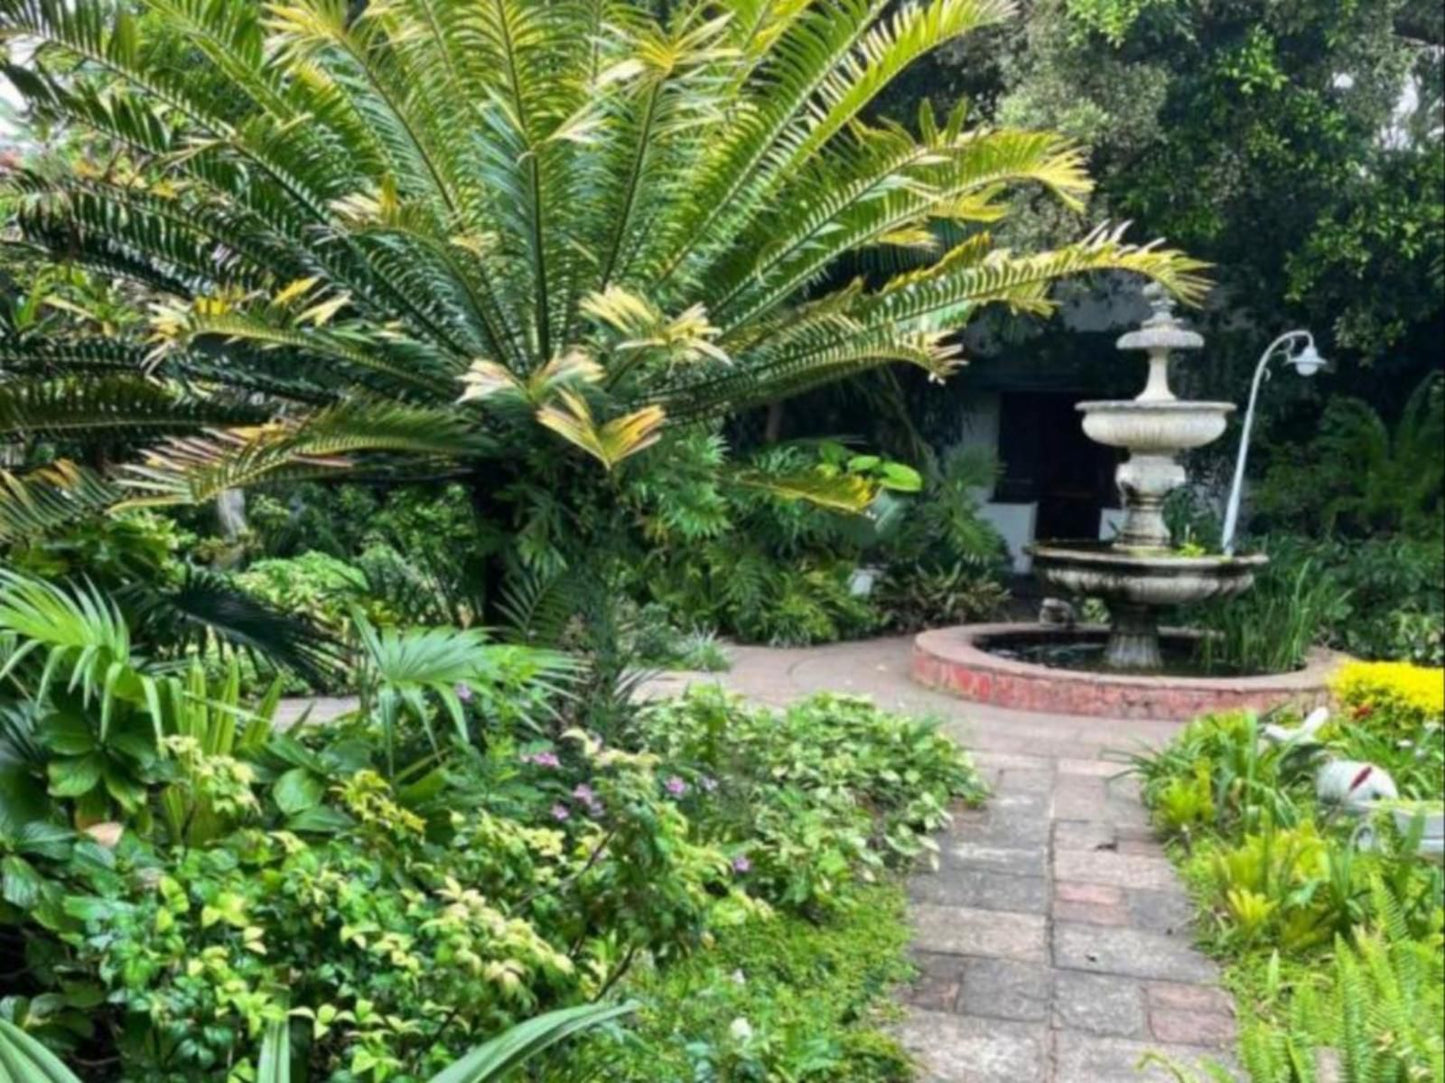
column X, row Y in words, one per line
column 990, row 664
column 1135, row 584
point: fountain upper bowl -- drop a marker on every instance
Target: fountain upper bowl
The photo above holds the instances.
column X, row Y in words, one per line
column 1155, row 427
column 1143, row 576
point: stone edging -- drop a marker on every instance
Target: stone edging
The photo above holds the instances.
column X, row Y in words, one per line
column 949, row 659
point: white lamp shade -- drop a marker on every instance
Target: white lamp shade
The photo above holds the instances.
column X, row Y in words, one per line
column 1308, row 361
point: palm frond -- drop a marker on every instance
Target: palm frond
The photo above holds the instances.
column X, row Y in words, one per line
column 207, row 612
column 122, row 406
column 50, row 497
column 590, row 218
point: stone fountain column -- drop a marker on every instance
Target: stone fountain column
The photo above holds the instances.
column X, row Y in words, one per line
column 1139, row 572
column 1151, row 472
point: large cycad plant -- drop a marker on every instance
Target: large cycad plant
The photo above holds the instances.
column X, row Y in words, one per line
column 467, row 235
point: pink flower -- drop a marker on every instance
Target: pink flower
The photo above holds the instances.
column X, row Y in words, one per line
column 542, row 759
column 675, row 786
column 588, row 796
column 741, row 865
column 560, row 813
column 464, row 691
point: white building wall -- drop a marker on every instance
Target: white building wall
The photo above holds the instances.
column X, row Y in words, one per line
column 1015, row 522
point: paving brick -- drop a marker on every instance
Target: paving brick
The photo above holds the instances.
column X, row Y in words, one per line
column 1123, row 870
column 1090, row 768
column 1099, row 1004
column 1006, row 760
column 1090, row 913
column 1016, row 780
column 1128, row 952
column 1142, row 832
column 1144, row 847
column 1033, row 806
column 939, row 981
column 1192, row 1028
column 1085, row 835
column 981, row 890
column 1167, row 911
column 1004, row 828
column 1098, row 894
column 1015, row 860
column 993, row 933
column 1004, row 989
column 1189, row 998
column 964, row 1049
column 1089, row 1058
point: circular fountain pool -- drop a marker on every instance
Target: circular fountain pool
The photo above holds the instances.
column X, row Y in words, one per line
column 1059, row 670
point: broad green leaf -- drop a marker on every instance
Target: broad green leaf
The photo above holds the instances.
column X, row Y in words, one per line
column 297, row 790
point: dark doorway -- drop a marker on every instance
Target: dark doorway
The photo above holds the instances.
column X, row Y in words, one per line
column 1047, row 458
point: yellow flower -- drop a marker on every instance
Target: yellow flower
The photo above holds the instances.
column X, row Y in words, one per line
column 1400, row 684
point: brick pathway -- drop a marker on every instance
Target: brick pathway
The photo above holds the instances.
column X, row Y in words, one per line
column 1053, row 941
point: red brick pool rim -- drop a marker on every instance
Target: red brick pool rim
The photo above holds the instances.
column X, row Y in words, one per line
column 952, row 660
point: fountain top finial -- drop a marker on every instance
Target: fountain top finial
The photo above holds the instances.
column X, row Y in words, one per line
column 1161, row 329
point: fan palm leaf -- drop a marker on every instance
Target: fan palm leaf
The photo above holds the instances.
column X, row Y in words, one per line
column 589, row 223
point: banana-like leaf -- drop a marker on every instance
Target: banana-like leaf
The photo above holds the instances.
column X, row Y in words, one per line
column 840, row 492
column 274, row 1064
column 25, row 1060
column 489, row 1063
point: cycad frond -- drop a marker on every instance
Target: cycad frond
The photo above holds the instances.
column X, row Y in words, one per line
column 51, row 497
column 608, row 443
column 123, row 406
column 508, row 201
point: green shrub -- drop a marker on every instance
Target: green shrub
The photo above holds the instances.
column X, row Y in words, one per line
column 320, row 587
column 1390, row 591
column 1271, row 627
column 775, row 999
column 448, row 860
column 911, row 598
column 757, row 561
column 808, row 800
column 1332, row 925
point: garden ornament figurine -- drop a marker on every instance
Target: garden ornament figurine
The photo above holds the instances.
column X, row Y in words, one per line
column 1354, row 787
column 1305, row 731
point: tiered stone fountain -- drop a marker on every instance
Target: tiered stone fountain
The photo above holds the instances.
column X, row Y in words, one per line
column 1120, row 671
column 1140, row 572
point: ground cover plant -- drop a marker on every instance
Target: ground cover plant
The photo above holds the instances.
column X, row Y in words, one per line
column 392, row 891
column 792, row 999
column 1330, row 921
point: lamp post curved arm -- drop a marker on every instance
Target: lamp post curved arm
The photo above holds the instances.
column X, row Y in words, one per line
column 1298, row 347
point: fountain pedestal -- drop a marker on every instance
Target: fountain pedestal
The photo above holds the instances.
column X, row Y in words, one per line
column 1140, row 572
column 1133, row 638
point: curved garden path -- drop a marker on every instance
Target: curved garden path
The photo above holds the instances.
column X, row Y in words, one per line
column 1053, row 941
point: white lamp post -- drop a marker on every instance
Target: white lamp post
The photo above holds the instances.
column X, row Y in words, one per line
column 1298, row 349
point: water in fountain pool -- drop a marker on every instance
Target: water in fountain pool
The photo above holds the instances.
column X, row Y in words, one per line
column 1087, row 655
